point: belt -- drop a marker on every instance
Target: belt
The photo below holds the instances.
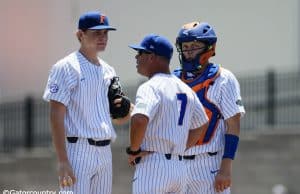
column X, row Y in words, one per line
column 90, row 141
column 169, row 156
column 192, row 157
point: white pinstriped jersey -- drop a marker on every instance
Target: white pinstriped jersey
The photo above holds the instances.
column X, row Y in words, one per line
column 172, row 108
column 225, row 94
column 82, row 87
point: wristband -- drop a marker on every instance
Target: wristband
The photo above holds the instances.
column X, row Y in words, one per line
column 134, row 153
column 231, row 144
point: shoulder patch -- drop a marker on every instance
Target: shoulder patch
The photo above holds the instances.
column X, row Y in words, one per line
column 53, row 88
column 239, row 102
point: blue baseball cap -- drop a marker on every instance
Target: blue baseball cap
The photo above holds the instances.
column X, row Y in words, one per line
column 156, row 44
column 94, row 20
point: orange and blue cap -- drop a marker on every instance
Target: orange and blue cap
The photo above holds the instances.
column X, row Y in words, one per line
column 94, row 20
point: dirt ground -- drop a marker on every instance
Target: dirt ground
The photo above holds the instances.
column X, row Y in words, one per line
column 263, row 160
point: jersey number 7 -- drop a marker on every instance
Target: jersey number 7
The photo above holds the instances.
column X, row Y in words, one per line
column 183, row 99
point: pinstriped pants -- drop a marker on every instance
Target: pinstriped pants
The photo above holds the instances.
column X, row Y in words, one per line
column 201, row 174
column 92, row 167
column 156, row 174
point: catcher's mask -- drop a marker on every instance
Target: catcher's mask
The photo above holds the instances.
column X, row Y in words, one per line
column 196, row 31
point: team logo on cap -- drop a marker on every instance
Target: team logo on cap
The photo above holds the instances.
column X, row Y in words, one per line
column 102, row 19
column 53, row 88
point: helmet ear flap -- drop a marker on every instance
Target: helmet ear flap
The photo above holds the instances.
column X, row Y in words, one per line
column 213, row 47
column 178, row 46
column 209, row 53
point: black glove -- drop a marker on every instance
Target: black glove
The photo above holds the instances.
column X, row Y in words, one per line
column 115, row 92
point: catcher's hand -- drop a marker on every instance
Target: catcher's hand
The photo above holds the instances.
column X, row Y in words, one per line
column 121, row 109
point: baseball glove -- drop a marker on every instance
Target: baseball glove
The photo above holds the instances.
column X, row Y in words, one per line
column 115, row 92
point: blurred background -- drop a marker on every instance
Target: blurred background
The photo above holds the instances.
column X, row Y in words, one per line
column 257, row 40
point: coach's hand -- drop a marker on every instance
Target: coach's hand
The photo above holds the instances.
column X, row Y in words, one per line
column 132, row 159
column 223, row 178
column 66, row 176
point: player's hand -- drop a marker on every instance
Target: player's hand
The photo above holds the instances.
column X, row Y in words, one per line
column 223, row 177
column 133, row 158
column 222, row 181
column 66, row 176
column 117, row 102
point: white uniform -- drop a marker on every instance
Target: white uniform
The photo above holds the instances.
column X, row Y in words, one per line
column 224, row 92
column 82, row 87
column 164, row 99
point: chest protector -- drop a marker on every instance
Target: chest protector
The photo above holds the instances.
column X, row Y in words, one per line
column 201, row 85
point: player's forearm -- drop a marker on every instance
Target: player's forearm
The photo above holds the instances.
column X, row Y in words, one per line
column 226, row 166
column 194, row 135
column 137, row 130
column 57, row 113
column 231, row 137
column 58, row 138
column 233, row 125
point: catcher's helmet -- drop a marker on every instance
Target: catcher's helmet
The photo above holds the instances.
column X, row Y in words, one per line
column 196, row 31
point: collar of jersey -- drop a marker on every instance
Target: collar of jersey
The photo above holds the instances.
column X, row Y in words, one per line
column 83, row 59
column 209, row 73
